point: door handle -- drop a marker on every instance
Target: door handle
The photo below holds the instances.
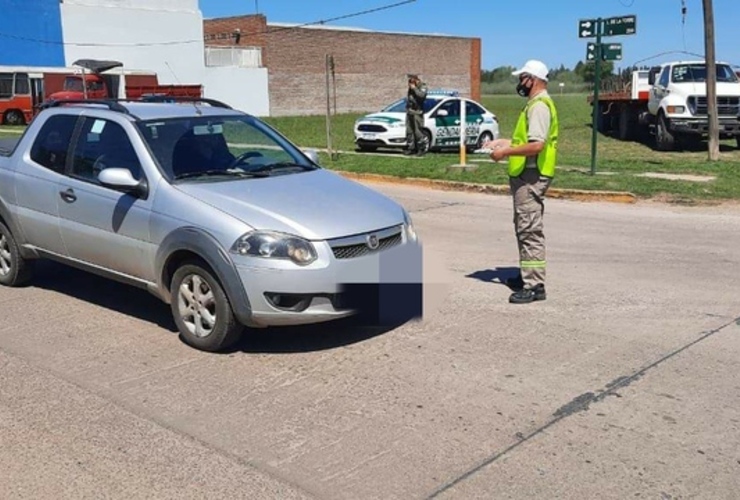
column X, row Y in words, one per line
column 457, row 122
column 68, row 195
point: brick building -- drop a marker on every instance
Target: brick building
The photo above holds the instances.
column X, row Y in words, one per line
column 370, row 67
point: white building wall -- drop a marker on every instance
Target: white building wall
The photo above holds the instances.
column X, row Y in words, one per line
column 164, row 36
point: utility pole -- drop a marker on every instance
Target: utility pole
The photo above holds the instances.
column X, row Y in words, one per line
column 710, row 61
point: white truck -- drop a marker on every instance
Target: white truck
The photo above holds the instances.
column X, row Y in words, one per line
column 669, row 103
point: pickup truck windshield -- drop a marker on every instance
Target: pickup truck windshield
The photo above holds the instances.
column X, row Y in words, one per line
column 197, row 149
column 697, row 73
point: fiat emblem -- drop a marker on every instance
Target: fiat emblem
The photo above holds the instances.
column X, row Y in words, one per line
column 372, row 242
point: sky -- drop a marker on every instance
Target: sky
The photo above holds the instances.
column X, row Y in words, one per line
column 513, row 31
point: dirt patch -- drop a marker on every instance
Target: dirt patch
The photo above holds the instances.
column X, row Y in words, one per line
column 678, row 177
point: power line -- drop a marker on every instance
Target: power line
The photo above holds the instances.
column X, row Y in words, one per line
column 184, row 42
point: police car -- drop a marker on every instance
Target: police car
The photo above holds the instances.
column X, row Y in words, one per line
column 442, row 112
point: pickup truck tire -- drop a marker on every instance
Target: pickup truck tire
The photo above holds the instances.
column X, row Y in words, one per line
column 201, row 309
column 14, row 269
column 664, row 140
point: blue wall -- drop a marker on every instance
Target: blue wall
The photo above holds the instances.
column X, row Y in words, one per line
column 31, row 33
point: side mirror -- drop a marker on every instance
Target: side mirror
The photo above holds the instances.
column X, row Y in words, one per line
column 312, row 154
column 121, row 179
column 652, row 74
column 442, row 112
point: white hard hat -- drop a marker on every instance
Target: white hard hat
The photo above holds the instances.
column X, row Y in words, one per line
column 534, row 68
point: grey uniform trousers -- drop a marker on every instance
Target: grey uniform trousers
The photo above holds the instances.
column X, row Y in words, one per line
column 528, row 193
column 414, row 135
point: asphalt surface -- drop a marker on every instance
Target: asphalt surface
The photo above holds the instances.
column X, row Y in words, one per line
column 622, row 384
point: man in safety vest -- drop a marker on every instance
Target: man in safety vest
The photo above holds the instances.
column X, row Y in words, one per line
column 532, row 154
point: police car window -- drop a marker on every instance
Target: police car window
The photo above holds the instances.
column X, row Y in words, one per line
column 473, row 109
column 452, row 107
column 429, row 104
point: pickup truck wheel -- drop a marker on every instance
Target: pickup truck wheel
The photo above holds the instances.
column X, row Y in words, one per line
column 664, row 140
column 201, row 309
column 14, row 269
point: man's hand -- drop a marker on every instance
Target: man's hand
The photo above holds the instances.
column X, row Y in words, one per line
column 499, row 154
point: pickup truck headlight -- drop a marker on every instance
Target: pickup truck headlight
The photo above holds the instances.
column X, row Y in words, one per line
column 675, row 110
column 408, row 225
column 273, row 245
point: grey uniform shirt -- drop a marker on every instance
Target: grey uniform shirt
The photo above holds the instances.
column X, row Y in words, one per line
column 539, row 124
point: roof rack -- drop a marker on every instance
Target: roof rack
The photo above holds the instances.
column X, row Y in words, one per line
column 167, row 98
column 111, row 104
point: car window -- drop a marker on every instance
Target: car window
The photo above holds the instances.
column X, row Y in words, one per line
column 664, row 77
column 452, row 107
column 472, row 108
column 52, row 142
column 103, row 144
column 236, row 144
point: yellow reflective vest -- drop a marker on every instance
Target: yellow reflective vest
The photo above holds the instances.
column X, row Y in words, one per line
column 548, row 156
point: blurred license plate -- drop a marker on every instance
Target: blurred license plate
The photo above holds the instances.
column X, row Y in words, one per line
column 370, row 136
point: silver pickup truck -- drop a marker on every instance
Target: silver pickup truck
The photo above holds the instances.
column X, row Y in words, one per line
column 209, row 208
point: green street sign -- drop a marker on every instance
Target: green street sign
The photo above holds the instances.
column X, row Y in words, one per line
column 587, row 28
column 611, row 52
column 622, row 25
column 591, row 52
column 608, row 52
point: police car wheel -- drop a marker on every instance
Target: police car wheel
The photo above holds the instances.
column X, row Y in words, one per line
column 427, row 144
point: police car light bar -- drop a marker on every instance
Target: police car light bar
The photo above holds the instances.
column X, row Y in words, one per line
column 449, row 92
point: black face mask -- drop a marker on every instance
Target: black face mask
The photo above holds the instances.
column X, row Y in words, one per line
column 522, row 90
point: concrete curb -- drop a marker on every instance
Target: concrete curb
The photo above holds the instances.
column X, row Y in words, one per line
column 470, row 187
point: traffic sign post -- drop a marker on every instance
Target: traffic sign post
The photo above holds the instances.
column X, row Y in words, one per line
column 596, row 47
column 597, row 52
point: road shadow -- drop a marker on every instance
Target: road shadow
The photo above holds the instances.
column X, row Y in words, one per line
column 309, row 338
column 140, row 304
column 103, row 292
column 497, row 275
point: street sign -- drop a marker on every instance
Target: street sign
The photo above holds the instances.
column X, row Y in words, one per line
column 622, row 25
column 587, row 28
column 591, row 52
column 611, row 52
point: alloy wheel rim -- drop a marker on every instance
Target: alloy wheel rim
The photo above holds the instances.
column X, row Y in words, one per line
column 197, row 306
column 6, row 258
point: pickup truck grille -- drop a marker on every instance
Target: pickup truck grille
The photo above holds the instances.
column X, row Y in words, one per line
column 357, row 246
column 726, row 105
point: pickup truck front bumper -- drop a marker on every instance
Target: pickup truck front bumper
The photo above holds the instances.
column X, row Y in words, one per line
column 728, row 126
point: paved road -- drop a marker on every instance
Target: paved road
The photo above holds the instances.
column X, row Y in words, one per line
column 623, row 384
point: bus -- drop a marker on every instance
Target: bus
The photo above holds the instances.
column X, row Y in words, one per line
column 24, row 88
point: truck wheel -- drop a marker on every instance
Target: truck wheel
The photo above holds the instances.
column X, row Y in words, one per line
column 626, row 124
column 14, row 117
column 201, row 309
column 14, row 269
column 664, row 140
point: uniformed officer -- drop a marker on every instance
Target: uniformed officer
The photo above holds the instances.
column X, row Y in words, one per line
column 532, row 154
column 416, row 95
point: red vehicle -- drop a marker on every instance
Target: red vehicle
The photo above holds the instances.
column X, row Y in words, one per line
column 23, row 89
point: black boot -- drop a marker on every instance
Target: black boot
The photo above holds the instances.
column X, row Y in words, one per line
column 527, row 295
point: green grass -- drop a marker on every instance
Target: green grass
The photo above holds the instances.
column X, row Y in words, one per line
column 620, row 160
column 617, row 161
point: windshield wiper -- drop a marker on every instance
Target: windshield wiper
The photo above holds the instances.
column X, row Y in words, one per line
column 230, row 173
column 281, row 166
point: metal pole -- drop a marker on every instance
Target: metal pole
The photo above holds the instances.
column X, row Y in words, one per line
column 597, row 83
column 710, row 61
column 328, row 110
column 463, row 123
